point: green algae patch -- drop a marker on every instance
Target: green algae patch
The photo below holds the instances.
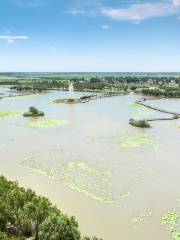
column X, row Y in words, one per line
column 9, row 114
column 89, row 140
column 90, row 181
column 142, row 112
column 146, row 213
column 171, row 220
column 125, row 194
column 93, row 182
column 50, row 123
column 133, row 104
column 103, row 175
column 131, row 141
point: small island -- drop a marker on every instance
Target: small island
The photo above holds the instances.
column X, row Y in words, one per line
column 139, row 123
column 33, row 112
column 71, row 99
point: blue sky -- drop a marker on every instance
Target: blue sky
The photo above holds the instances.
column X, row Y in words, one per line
column 89, row 35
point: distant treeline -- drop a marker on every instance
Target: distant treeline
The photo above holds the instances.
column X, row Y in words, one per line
column 167, row 91
column 103, row 84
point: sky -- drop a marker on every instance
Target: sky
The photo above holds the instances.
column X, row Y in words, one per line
column 90, row 35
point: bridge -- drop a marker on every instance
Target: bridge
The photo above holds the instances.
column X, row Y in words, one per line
column 142, row 101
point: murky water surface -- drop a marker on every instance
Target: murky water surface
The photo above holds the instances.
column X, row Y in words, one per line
column 119, row 181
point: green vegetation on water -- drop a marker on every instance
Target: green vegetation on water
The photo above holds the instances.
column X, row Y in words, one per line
column 142, row 112
column 9, row 114
column 129, row 140
column 171, row 220
column 139, row 218
column 50, row 123
column 80, row 176
column 133, row 141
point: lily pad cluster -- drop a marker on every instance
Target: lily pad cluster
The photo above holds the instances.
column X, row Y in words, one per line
column 136, row 140
column 171, row 220
column 139, row 218
column 77, row 175
column 9, row 114
column 133, row 104
column 90, row 181
column 131, row 140
column 49, row 123
column 140, row 111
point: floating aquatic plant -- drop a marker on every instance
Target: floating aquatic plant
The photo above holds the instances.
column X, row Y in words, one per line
column 77, row 175
column 133, row 104
column 89, row 140
column 145, row 214
column 92, row 182
column 125, row 194
column 9, row 114
column 131, row 140
column 49, row 123
column 140, row 111
column 171, row 220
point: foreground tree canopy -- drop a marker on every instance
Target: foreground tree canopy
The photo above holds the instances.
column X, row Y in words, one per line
column 24, row 215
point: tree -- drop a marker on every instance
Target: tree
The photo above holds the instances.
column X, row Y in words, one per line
column 35, row 213
column 59, row 227
column 33, row 110
column 3, row 236
column 23, row 214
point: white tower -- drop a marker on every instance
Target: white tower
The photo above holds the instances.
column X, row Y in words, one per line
column 71, row 89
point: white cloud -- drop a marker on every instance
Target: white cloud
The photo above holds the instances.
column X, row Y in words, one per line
column 176, row 3
column 139, row 12
column 105, row 27
column 12, row 39
column 133, row 12
column 53, row 48
column 83, row 12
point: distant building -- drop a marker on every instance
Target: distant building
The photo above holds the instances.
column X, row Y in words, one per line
column 153, row 88
column 173, row 83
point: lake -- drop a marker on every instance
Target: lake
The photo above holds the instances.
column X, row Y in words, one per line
column 117, row 180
